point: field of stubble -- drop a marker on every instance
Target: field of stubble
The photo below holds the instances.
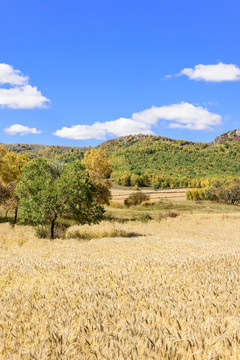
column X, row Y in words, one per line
column 172, row 293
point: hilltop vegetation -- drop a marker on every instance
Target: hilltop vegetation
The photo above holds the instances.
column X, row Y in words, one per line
column 143, row 160
column 167, row 163
column 172, row 165
column 65, row 153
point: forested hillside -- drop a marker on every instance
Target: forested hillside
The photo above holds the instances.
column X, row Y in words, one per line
column 174, row 163
column 142, row 160
column 65, row 153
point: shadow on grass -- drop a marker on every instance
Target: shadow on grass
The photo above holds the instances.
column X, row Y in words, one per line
column 94, row 232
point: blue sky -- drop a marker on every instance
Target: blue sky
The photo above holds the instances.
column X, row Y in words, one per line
column 76, row 72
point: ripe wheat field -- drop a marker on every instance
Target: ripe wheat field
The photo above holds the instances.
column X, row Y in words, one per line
column 171, row 293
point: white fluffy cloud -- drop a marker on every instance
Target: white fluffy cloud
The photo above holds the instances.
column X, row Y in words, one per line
column 213, row 73
column 21, row 129
column 119, row 127
column 182, row 115
column 8, row 75
column 21, row 95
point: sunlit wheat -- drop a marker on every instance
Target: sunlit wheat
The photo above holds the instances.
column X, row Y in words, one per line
column 172, row 293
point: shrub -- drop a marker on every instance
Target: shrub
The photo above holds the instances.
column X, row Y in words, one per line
column 147, row 203
column 227, row 192
column 195, row 194
column 115, row 205
column 41, row 232
column 171, row 214
column 155, row 186
column 145, row 218
column 136, row 199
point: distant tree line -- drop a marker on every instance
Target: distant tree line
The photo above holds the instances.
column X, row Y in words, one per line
column 223, row 191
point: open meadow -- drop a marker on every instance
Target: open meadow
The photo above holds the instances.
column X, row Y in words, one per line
column 163, row 289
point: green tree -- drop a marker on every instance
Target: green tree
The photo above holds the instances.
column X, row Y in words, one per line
column 49, row 190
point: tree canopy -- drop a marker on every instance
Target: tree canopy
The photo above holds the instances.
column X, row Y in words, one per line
column 48, row 190
column 99, row 168
column 11, row 167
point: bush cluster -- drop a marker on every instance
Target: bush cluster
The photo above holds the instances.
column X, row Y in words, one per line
column 148, row 203
column 136, row 199
column 224, row 191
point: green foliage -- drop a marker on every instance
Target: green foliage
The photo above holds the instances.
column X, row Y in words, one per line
column 136, row 199
column 145, row 160
column 155, row 186
column 53, row 152
column 168, row 163
column 41, row 232
column 48, row 190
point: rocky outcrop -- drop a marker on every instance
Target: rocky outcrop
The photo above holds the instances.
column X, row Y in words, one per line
column 233, row 135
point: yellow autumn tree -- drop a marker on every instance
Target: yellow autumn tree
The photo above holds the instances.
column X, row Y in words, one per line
column 3, row 152
column 11, row 166
column 99, row 168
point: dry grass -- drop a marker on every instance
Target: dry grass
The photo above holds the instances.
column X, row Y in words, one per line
column 14, row 236
column 120, row 194
column 173, row 294
column 105, row 229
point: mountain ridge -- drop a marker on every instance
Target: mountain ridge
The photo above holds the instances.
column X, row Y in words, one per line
column 121, row 142
column 232, row 135
column 143, row 160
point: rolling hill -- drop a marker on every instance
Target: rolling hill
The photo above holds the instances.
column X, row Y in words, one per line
column 140, row 160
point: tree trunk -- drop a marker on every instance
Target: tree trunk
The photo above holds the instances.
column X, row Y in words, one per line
column 16, row 214
column 52, row 226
